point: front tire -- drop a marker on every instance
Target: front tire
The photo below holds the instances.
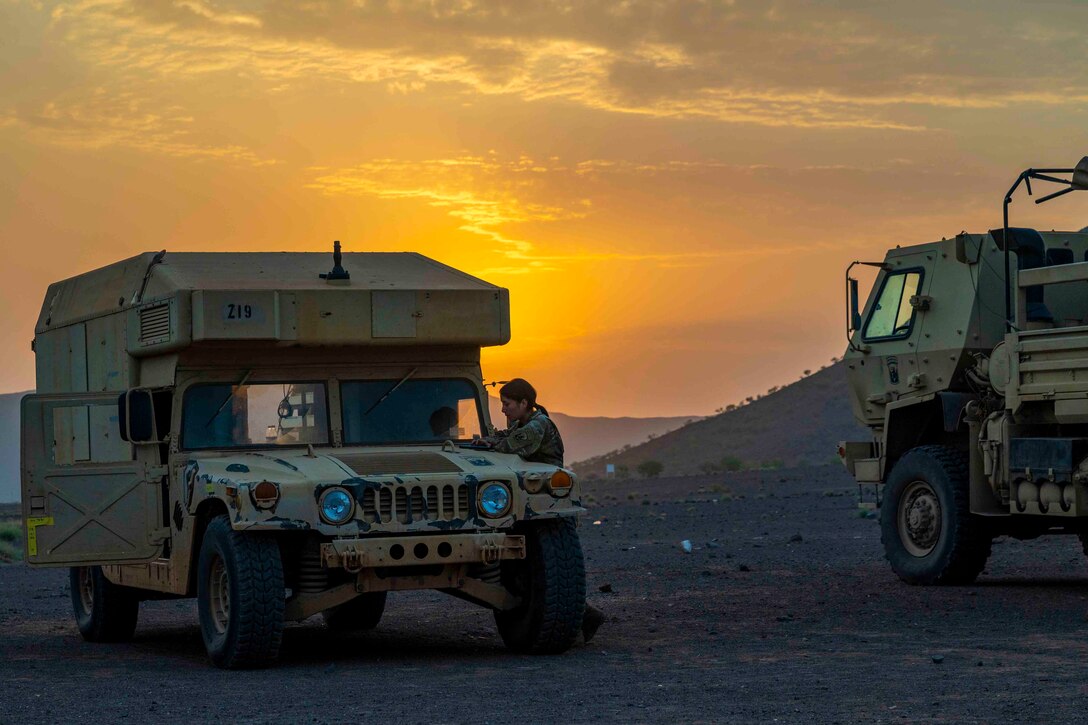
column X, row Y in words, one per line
column 240, row 597
column 551, row 581
column 105, row 612
column 929, row 534
column 361, row 613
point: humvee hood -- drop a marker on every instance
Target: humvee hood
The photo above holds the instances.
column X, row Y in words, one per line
column 325, row 466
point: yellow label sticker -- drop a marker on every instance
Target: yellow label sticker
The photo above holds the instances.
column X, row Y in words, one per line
column 32, row 525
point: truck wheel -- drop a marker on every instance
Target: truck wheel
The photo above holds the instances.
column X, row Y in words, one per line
column 240, row 596
column 105, row 612
column 551, row 580
column 926, row 525
column 362, row 612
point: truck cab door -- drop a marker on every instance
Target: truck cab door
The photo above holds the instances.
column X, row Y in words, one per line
column 887, row 369
column 89, row 497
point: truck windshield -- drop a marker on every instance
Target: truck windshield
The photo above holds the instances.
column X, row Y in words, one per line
column 222, row 415
column 416, row 411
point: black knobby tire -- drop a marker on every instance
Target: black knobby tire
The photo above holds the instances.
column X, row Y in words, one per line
column 105, row 612
column 240, row 596
column 361, row 613
column 929, row 534
column 551, row 581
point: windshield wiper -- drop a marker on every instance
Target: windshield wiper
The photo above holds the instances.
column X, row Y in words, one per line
column 389, row 392
column 230, row 395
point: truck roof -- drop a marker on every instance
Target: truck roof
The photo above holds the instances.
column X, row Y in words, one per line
column 116, row 286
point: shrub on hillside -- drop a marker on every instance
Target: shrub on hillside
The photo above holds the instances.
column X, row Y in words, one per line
column 732, row 463
column 650, row 469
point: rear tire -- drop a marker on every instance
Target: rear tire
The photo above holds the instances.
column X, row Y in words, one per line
column 361, row 613
column 240, row 596
column 551, row 581
column 929, row 534
column 105, row 612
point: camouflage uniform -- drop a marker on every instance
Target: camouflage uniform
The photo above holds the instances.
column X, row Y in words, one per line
column 537, row 441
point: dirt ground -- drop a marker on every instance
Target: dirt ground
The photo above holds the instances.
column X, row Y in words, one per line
column 783, row 611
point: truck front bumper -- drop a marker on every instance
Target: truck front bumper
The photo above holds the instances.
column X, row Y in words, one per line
column 357, row 554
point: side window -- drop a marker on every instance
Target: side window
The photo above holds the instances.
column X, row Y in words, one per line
column 892, row 316
column 88, row 434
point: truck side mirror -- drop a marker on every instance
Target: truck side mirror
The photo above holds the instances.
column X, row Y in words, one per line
column 855, row 313
column 136, row 416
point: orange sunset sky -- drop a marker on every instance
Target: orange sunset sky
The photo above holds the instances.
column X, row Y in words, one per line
column 670, row 190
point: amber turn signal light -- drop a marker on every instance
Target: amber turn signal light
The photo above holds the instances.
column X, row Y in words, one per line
column 560, row 482
column 265, row 494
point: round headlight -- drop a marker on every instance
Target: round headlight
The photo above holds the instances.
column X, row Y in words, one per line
column 494, row 499
column 336, row 506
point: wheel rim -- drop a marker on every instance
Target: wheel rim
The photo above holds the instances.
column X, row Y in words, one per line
column 86, row 589
column 919, row 518
column 219, row 595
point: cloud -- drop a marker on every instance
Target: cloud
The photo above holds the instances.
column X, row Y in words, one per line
column 482, row 192
column 102, row 119
column 799, row 64
column 489, row 196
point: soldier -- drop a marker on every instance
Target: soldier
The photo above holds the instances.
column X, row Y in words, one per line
column 533, row 436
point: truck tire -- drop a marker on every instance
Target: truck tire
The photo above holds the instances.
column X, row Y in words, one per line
column 240, row 596
column 361, row 613
column 105, row 612
column 551, row 580
column 926, row 525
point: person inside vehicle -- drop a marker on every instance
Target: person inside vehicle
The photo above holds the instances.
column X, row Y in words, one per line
column 533, row 435
column 443, row 423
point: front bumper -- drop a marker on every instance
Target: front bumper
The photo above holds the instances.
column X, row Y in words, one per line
column 481, row 548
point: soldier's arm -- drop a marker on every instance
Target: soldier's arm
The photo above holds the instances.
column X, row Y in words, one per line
column 524, row 441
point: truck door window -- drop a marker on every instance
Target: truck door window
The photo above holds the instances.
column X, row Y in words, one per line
column 259, row 414
column 88, row 434
column 892, row 316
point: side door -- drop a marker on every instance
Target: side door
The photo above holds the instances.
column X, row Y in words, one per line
column 891, row 328
column 89, row 497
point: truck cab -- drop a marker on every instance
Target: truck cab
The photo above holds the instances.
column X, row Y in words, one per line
column 279, row 440
column 968, row 364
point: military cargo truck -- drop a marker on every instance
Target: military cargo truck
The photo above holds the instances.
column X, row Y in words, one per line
column 969, row 363
column 279, row 442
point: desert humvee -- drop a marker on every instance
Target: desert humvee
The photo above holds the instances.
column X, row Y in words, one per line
column 279, row 440
column 969, row 363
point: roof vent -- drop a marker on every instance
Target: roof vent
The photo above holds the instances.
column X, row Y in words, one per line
column 155, row 324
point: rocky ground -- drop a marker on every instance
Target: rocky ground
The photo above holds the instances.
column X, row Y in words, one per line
column 784, row 610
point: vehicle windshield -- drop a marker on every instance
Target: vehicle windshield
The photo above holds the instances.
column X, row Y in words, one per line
column 222, row 415
column 415, row 411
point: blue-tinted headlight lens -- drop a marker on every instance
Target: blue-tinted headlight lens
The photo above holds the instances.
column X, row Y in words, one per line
column 336, row 506
column 494, row 499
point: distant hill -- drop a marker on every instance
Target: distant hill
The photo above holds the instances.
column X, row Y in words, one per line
column 797, row 424
column 9, row 446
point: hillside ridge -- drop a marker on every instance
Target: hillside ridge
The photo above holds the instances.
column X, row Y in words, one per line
column 795, row 424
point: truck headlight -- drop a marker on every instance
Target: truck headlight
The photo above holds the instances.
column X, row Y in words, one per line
column 494, row 499
column 336, row 506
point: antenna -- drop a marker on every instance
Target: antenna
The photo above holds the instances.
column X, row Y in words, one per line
column 338, row 272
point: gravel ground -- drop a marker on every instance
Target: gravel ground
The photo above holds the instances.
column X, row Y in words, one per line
column 784, row 610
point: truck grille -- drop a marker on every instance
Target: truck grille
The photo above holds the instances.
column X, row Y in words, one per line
column 410, row 504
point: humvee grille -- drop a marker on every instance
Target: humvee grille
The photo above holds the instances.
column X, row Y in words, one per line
column 410, row 504
column 378, row 464
column 154, row 324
